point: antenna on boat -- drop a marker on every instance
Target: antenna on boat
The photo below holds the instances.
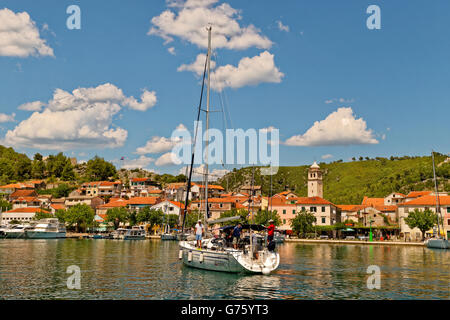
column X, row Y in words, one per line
column 189, row 178
column 438, row 209
column 208, row 98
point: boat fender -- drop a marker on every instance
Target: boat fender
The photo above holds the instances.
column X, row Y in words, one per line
column 201, row 258
column 180, row 254
column 190, row 256
column 265, row 271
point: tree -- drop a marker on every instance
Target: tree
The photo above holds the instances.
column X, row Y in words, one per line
column 5, row 205
column 263, row 217
column 423, row 220
column 156, row 217
column 81, row 216
column 62, row 190
column 98, row 169
column 68, row 174
column 303, row 223
column 38, row 167
column 42, row 215
column 172, row 220
column 117, row 216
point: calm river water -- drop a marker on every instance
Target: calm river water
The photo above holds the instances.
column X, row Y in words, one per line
column 150, row 269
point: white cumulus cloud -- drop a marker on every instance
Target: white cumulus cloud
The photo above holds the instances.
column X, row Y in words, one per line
column 327, row 156
column 338, row 128
column 19, row 36
column 80, row 119
column 161, row 144
column 189, row 18
column 7, row 117
column 167, row 159
column 249, row 72
column 198, row 66
column 32, row 106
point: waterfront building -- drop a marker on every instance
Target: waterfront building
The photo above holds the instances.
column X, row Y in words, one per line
column 423, row 203
column 119, row 203
column 21, row 215
column 325, row 212
column 91, row 201
column 216, row 206
column 169, row 207
column 138, row 203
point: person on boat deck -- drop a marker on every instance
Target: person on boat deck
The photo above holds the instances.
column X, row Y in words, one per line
column 236, row 235
column 199, row 233
column 270, row 231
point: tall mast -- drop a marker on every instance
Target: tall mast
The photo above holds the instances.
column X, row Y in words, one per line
column 438, row 209
column 208, row 89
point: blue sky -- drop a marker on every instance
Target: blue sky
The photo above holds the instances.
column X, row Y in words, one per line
column 395, row 79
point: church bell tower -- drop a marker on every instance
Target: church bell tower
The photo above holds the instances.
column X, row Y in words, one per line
column 315, row 183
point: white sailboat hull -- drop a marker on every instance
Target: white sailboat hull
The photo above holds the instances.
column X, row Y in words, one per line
column 438, row 244
column 228, row 260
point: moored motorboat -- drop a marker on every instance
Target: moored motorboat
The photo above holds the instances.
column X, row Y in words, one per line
column 135, row 233
column 49, row 228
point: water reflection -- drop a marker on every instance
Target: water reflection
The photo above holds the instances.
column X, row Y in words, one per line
column 112, row 269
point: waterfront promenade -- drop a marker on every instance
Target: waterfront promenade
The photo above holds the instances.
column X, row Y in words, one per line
column 386, row 243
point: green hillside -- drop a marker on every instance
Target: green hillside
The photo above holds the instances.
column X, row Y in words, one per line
column 349, row 182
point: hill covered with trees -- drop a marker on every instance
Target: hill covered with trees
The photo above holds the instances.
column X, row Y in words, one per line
column 349, row 182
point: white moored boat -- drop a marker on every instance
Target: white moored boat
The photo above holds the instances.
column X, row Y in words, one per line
column 17, row 231
column 49, row 228
column 216, row 257
column 135, row 233
column 215, row 254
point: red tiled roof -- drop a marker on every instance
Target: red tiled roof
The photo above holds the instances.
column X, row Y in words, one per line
column 27, row 210
column 177, row 204
column 139, row 179
column 350, row 207
column 212, row 186
column 427, row 201
column 383, row 208
column 58, row 206
column 17, row 186
column 143, row 200
column 373, row 201
column 115, row 204
column 27, row 199
column 416, row 194
column 23, row 193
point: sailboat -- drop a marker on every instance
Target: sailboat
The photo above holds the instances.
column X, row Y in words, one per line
column 214, row 255
column 167, row 235
column 438, row 242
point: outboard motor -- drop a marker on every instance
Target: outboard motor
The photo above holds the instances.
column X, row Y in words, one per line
column 271, row 246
